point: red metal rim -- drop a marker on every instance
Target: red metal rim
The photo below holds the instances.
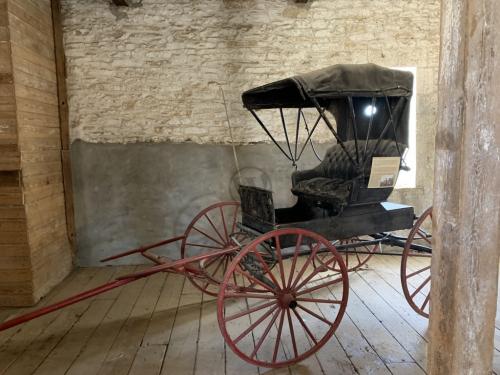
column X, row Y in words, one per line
column 211, row 230
column 295, row 296
column 416, row 276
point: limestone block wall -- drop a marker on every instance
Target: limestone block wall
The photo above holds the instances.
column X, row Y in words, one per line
column 152, row 73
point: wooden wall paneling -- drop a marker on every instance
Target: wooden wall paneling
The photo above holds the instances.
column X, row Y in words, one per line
column 35, row 251
column 9, row 154
column 14, row 250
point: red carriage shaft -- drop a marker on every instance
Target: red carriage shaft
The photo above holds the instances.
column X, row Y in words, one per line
column 144, row 248
column 184, row 266
column 61, row 304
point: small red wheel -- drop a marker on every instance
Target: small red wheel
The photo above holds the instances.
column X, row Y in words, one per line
column 356, row 257
column 279, row 316
column 214, row 228
column 416, row 265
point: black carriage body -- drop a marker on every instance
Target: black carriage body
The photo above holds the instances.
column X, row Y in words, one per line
column 260, row 216
column 334, row 199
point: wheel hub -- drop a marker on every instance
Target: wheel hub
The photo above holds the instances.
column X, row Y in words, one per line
column 287, row 300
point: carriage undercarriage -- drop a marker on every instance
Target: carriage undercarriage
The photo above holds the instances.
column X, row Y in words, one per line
column 272, row 299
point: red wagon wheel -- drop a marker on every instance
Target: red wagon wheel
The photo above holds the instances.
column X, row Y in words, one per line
column 416, row 265
column 284, row 314
column 214, row 228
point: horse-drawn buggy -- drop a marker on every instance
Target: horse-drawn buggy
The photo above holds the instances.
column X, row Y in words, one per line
column 281, row 274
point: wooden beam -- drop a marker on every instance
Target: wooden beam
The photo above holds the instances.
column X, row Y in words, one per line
column 466, row 190
column 63, row 120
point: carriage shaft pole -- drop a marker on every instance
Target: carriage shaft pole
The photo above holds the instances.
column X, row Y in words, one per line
column 66, row 302
column 142, row 249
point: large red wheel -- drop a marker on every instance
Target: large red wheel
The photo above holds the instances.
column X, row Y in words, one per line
column 416, row 265
column 283, row 314
column 214, row 228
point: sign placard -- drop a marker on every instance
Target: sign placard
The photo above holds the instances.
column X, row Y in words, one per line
column 384, row 172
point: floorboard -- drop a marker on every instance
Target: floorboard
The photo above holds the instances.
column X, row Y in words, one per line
column 164, row 325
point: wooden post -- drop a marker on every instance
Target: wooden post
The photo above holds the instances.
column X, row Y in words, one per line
column 64, row 121
column 466, row 190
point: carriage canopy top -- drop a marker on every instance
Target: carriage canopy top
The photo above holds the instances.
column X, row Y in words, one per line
column 355, row 80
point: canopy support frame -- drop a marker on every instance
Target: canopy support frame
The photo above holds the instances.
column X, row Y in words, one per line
column 330, row 126
column 269, row 134
column 397, row 110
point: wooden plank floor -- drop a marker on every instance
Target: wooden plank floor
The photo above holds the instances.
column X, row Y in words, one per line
column 163, row 325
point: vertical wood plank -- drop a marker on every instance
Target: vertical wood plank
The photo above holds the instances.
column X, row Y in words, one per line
column 63, row 120
column 182, row 348
column 91, row 358
column 466, row 200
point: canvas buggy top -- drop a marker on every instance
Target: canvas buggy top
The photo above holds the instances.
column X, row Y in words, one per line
column 365, row 107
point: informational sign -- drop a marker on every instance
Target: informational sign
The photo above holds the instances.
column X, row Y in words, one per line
column 384, row 172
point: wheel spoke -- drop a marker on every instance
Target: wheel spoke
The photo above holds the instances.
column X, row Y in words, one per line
column 235, row 218
column 208, row 236
column 268, row 271
column 417, row 272
column 255, row 280
column 249, row 311
column 425, row 302
column 319, row 300
column 292, row 333
column 218, row 266
column 280, row 260
column 255, row 324
column 306, row 264
column 321, row 286
column 211, row 261
column 315, row 315
column 357, row 256
column 249, row 295
column 224, row 224
column 278, row 336
column 424, row 236
column 214, row 227
column 306, row 328
column 314, row 273
column 420, row 287
column 205, row 246
column 294, row 260
column 234, row 279
column 264, row 335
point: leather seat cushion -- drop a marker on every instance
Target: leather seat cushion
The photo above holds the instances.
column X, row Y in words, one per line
column 330, row 190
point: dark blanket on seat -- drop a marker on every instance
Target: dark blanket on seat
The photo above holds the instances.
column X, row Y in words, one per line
column 332, row 180
column 334, row 191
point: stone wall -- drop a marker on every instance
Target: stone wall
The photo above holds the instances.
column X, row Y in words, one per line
column 152, row 73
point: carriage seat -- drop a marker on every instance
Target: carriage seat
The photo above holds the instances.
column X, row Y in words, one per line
column 332, row 181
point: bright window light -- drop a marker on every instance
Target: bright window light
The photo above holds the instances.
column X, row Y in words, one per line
column 408, row 179
column 369, row 110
